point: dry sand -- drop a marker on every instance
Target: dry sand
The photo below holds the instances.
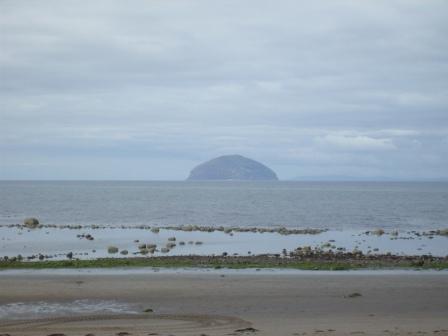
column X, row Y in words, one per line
column 211, row 304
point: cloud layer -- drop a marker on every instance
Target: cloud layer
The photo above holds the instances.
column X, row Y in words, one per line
column 147, row 89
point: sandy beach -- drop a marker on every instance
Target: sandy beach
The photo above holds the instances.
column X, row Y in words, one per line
column 230, row 303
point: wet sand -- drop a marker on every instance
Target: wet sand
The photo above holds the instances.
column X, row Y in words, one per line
column 188, row 303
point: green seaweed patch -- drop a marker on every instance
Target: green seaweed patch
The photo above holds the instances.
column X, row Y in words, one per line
column 255, row 262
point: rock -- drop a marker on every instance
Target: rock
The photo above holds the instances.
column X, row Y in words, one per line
column 31, row 223
column 170, row 245
column 124, row 252
column 354, row 295
column 246, row 330
column 378, row 232
column 232, row 167
column 443, row 232
column 112, row 249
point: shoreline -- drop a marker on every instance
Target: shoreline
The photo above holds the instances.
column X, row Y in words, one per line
column 191, row 271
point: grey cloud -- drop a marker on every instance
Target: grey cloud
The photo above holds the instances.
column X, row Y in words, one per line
column 347, row 87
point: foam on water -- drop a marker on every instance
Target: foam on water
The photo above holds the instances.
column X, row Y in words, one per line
column 42, row 309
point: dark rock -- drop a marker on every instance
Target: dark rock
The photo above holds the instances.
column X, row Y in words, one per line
column 245, row 330
column 112, row 249
column 354, row 295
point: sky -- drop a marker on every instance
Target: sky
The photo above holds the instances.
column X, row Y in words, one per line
column 146, row 90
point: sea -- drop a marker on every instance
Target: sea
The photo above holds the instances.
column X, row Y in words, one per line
column 326, row 205
column 121, row 213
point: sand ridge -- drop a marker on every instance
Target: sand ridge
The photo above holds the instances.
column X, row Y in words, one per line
column 143, row 324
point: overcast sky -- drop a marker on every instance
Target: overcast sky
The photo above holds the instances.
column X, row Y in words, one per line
column 148, row 89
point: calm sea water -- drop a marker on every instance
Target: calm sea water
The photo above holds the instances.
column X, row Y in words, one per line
column 332, row 205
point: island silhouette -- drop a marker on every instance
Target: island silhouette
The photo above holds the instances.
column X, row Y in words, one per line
column 232, row 167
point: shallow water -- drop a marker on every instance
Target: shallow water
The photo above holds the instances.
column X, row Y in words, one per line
column 331, row 205
column 57, row 242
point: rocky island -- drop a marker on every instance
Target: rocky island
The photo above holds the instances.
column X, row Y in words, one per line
column 232, row 167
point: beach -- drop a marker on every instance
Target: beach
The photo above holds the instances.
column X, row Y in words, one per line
column 225, row 303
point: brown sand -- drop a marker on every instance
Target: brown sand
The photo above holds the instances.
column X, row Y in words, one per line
column 210, row 304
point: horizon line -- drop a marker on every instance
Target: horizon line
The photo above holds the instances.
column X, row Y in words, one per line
column 354, row 179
